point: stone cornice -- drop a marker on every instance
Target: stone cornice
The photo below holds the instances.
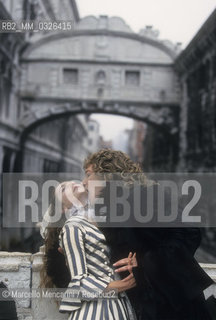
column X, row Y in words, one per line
column 107, row 62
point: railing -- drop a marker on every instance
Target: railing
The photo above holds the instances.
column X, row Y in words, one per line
column 21, row 270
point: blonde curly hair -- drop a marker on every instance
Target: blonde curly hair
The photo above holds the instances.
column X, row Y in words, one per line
column 112, row 162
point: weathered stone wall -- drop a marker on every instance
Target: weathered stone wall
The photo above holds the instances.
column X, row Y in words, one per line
column 21, row 270
column 196, row 67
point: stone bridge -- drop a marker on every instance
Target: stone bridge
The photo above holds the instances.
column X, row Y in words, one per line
column 100, row 66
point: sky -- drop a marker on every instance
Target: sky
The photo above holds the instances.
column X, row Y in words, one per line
column 111, row 126
column 176, row 20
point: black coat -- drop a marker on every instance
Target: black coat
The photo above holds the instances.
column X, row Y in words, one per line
column 7, row 305
column 170, row 282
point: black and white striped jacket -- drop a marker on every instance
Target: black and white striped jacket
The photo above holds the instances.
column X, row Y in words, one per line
column 88, row 260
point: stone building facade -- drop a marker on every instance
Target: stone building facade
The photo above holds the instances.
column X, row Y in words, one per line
column 93, row 142
column 136, row 138
column 196, row 72
column 57, row 145
column 43, row 150
column 153, row 148
column 196, row 67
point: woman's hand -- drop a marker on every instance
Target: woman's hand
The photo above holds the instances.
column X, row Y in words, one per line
column 122, row 285
column 119, row 285
column 126, row 264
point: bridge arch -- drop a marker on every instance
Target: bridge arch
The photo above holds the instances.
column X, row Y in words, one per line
column 162, row 118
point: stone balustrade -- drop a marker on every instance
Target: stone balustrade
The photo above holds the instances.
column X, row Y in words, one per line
column 22, row 271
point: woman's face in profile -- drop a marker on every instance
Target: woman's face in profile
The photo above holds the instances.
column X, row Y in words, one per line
column 70, row 193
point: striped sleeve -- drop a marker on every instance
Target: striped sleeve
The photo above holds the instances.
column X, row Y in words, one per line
column 87, row 287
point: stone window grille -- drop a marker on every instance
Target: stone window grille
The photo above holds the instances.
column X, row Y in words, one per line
column 132, row 78
column 70, row 76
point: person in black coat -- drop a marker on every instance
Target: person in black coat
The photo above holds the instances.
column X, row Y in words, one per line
column 7, row 305
column 169, row 281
